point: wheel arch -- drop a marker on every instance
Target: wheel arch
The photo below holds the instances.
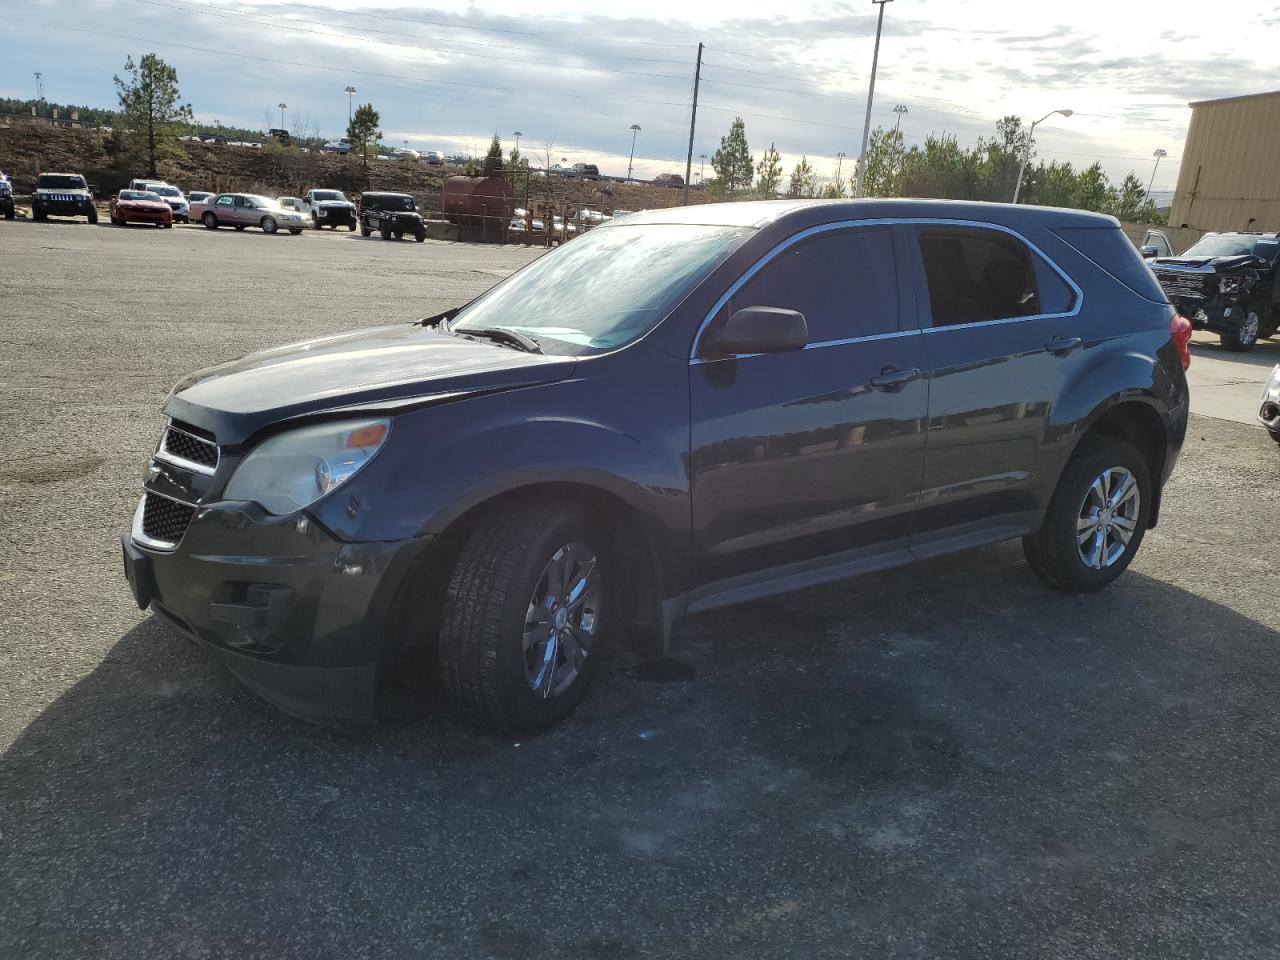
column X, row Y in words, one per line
column 1137, row 421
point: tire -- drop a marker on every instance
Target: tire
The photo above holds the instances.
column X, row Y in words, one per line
column 488, row 674
column 269, row 225
column 93, row 215
column 1055, row 551
column 421, row 237
column 386, row 233
column 38, row 216
column 167, row 226
column 1243, row 337
column 10, row 213
column 364, row 230
column 296, row 231
column 239, row 226
column 350, row 228
column 315, row 223
column 1275, row 435
column 210, row 221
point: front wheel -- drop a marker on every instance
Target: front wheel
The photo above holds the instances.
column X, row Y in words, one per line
column 386, row 233
column 93, row 215
column 268, row 225
column 350, row 228
column 421, row 237
column 1096, row 519
column 210, row 221
column 1244, row 337
column 315, row 223
column 520, row 633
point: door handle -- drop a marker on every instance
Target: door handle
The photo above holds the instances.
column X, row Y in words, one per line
column 1062, row 345
column 892, row 379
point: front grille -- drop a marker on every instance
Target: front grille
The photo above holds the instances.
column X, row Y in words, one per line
column 1175, row 283
column 164, row 519
column 188, row 446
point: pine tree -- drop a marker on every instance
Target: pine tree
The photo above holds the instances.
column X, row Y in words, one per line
column 803, row 183
column 151, row 118
column 493, row 159
column 363, row 130
column 1129, row 199
column 885, row 153
column 517, row 170
column 770, row 171
column 732, row 162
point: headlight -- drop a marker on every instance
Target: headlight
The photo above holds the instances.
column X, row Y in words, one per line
column 322, row 212
column 295, row 469
column 1229, row 285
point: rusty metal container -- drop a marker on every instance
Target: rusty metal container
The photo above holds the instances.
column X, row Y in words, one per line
column 470, row 201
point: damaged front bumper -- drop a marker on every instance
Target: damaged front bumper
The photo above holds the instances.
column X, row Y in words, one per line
column 300, row 617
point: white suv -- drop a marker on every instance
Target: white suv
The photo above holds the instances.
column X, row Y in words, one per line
column 169, row 193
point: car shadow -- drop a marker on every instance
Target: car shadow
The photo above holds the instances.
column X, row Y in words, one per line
column 948, row 759
column 1265, row 354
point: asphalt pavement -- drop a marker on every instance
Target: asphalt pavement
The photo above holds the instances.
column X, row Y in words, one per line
column 948, row 760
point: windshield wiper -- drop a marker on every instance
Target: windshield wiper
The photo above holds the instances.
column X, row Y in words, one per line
column 500, row 335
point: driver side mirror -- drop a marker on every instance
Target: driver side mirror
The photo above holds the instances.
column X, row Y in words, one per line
column 1149, row 252
column 758, row 330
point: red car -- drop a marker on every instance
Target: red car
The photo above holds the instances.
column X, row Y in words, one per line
column 140, row 206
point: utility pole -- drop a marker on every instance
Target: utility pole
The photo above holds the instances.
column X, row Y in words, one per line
column 693, row 120
column 283, row 107
column 635, row 128
column 871, row 96
column 1160, row 154
column 350, row 91
column 39, row 90
column 839, row 162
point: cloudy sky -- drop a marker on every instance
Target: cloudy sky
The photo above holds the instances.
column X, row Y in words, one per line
column 576, row 76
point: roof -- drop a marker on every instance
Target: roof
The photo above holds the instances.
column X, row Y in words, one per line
column 759, row 213
column 384, row 193
column 1243, row 96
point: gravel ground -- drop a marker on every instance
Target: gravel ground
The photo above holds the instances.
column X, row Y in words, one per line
column 943, row 761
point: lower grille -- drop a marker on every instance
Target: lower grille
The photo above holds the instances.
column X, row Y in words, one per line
column 188, row 446
column 164, row 519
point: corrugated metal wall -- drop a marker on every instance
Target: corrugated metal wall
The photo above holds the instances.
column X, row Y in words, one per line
column 1230, row 172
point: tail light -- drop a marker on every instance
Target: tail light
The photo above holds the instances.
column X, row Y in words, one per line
column 1180, row 331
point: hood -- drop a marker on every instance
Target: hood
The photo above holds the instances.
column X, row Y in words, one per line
column 382, row 368
column 61, row 192
column 1208, row 264
column 145, row 204
column 346, row 204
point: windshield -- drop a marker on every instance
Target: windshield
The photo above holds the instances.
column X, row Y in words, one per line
column 1233, row 245
column 327, row 195
column 167, row 191
column 263, row 201
column 139, row 195
column 606, row 288
column 58, row 181
column 389, row 203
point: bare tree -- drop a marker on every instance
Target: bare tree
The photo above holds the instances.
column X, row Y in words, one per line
column 547, row 147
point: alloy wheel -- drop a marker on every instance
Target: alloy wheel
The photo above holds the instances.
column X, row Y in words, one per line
column 1108, row 518
column 1249, row 329
column 562, row 620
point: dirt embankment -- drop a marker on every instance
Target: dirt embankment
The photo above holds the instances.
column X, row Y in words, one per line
column 27, row 149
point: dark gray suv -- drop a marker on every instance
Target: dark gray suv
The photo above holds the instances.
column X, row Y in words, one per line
column 679, row 410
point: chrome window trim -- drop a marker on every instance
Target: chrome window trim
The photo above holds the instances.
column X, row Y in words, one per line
column 891, row 222
column 818, row 345
column 163, row 454
column 138, row 536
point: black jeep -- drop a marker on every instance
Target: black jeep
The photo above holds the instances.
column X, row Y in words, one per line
column 1226, row 282
column 392, row 215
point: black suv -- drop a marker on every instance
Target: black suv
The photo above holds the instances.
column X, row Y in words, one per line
column 742, row 399
column 1228, row 283
column 62, row 195
column 392, row 215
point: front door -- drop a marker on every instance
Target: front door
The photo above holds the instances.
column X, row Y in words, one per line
column 799, row 458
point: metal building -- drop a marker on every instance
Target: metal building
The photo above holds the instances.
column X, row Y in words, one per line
column 1230, row 175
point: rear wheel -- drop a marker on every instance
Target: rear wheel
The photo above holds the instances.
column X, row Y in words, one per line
column 1243, row 337
column 364, row 230
column 210, row 221
column 520, row 632
column 1096, row 519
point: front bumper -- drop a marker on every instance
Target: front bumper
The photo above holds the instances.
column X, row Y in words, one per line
column 62, row 208
column 1269, row 412
column 301, row 618
column 1219, row 313
column 144, row 216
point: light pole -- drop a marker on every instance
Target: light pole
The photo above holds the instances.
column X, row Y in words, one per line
column 517, row 135
column 1160, row 154
column 350, row 91
column 703, row 168
column 871, row 96
column 900, row 109
column 839, row 163
column 1026, row 153
column 283, row 107
column 635, row 128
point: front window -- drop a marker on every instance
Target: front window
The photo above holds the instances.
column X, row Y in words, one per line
column 327, row 195
column 391, row 203
column 139, row 195
column 605, row 289
column 167, row 191
column 57, row 181
column 1233, row 245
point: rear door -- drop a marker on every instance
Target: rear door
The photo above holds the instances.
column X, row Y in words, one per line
column 1001, row 339
column 801, row 456
column 224, row 208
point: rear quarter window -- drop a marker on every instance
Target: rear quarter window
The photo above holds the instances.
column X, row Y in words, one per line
column 1111, row 252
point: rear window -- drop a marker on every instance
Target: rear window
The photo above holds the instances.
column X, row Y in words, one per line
column 1110, row 250
column 976, row 275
